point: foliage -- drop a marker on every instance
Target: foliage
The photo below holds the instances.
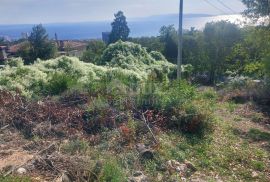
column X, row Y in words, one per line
column 112, row 172
column 132, row 56
column 267, row 65
column 39, row 46
column 257, row 9
column 16, row 62
column 123, row 62
column 75, row 146
column 176, row 101
column 219, row 39
column 58, row 83
column 255, row 69
column 150, row 43
column 14, row 179
column 168, row 36
column 93, row 51
column 120, row 30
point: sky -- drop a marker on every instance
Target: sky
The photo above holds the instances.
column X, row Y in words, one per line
column 55, row 11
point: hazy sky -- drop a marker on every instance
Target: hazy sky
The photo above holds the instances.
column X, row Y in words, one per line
column 47, row 11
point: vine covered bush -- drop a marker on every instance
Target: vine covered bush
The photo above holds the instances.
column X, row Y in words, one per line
column 123, row 61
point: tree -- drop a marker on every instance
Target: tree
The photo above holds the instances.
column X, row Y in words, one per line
column 150, row 43
column 120, row 29
column 168, row 36
column 219, row 37
column 193, row 50
column 257, row 9
column 40, row 46
column 93, row 51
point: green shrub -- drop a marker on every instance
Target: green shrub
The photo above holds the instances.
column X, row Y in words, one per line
column 191, row 118
column 165, row 95
column 31, row 79
column 15, row 62
column 14, row 179
column 112, row 172
column 75, row 146
column 58, row 83
column 209, row 94
column 258, row 135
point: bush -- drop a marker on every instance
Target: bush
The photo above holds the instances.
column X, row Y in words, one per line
column 65, row 71
column 165, row 95
column 132, row 56
column 93, row 51
column 184, row 109
column 75, row 146
column 58, row 83
column 112, row 172
column 15, row 62
column 191, row 118
column 14, row 179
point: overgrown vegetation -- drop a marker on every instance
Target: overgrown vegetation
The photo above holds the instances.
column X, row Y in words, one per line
column 119, row 114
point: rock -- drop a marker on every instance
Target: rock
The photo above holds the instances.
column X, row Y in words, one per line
column 21, row 171
column 138, row 176
column 183, row 169
column 190, row 165
column 159, row 177
column 63, row 178
column 254, row 174
column 145, row 152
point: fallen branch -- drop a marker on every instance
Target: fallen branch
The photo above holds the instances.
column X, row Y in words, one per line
column 4, row 127
column 145, row 122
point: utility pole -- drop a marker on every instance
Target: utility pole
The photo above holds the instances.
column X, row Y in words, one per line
column 180, row 40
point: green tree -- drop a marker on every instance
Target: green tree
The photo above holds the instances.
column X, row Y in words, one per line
column 120, row 29
column 193, row 50
column 257, row 9
column 219, row 37
column 93, row 51
column 150, row 43
column 168, row 36
column 40, row 46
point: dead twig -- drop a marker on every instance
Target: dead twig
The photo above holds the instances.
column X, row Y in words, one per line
column 4, row 127
column 145, row 122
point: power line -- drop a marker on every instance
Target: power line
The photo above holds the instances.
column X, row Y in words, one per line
column 214, row 6
column 223, row 4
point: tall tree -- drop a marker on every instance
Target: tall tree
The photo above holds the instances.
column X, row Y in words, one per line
column 258, row 9
column 220, row 37
column 168, row 36
column 40, row 46
column 120, row 29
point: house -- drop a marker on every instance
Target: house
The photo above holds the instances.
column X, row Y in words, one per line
column 71, row 47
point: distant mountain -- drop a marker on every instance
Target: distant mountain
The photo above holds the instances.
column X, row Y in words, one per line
column 166, row 17
column 145, row 26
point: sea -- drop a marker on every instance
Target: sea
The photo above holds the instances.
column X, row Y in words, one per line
column 139, row 27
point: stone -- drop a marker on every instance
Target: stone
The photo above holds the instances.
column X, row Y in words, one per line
column 63, row 178
column 254, row 174
column 138, row 176
column 21, row 171
column 190, row 165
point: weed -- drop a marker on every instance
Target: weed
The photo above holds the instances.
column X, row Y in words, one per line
column 76, row 146
column 112, row 172
column 58, row 83
column 258, row 165
column 258, row 135
column 151, row 167
column 14, row 179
